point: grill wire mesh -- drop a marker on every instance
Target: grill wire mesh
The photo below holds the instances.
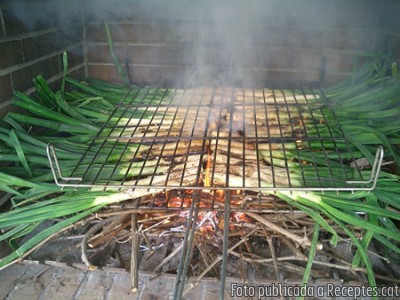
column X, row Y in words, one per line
column 219, row 138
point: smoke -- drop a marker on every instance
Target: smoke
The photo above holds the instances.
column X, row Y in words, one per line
column 225, row 42
column 224, row 46
column 220, row 45
column 44, row 16
column 222, row 37
column 36, row 15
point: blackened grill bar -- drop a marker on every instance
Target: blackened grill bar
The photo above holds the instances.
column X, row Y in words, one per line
column 258, row 136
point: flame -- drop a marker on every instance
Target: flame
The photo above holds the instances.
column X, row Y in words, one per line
column 220, row 194
column 207, row 175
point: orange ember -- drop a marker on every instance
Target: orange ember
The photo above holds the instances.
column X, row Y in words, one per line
column 219, row 195
column 179, row 202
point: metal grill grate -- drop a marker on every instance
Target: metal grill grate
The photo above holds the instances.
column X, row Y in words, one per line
column 245, row 139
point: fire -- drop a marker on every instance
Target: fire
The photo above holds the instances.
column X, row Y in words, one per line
column 207, row 175
column 208, row 222
column 219, row 194
column 180, row 202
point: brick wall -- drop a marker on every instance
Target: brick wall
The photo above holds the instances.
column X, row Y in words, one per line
column 166, row 42
column 32, row 43
column 390, row 25
column 290, row 40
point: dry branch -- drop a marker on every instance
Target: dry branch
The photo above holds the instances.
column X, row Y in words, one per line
column 134, row 253
column 302, row 241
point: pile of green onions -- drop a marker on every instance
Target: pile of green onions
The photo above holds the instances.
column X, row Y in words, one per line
column 68, row 118
column 367, row 108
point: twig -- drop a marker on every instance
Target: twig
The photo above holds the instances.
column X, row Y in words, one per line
column 300, row 270
column 242, row 272
column 282, row 261
column 203, row 254
column 342, row 267
column 302, row 241
column 156, row 225
column 218, row 259
column 248, row 247
column 262, row 260
column 134, row 254
column 139, row 210
column 110, row 230
column 273, row 255
column 295, row 250
column 297, row 258
column 85, row 239
column 387, row 278
column 168, row 258
column 147, row 241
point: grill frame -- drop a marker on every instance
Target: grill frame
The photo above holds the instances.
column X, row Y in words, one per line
column 214, row 111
